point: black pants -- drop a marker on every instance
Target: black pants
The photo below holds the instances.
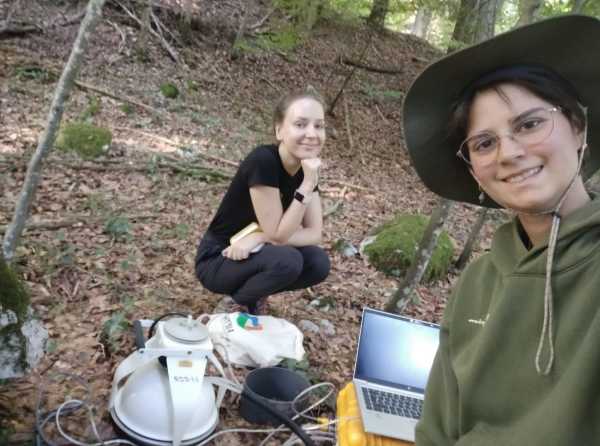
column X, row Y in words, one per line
column 271, row 270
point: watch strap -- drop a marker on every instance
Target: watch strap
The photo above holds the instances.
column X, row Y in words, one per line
column 301, row 197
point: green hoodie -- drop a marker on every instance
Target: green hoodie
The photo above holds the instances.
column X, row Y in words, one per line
column 483, row 388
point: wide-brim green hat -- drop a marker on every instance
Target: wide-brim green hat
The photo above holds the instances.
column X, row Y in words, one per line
column 568, row 45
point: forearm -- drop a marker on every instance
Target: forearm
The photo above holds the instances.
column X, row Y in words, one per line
column 305, row 237
column 292, row 218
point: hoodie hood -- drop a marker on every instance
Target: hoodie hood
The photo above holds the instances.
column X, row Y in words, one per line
column 578, row 238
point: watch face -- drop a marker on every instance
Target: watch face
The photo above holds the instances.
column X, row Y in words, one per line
column 299, row 196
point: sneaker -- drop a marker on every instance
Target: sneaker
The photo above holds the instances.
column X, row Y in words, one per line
column 228, row 305
column 261, row 307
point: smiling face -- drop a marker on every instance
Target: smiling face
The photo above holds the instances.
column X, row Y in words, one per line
column 527, row 178
column 301, row 133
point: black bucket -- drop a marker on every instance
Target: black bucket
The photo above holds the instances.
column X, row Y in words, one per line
column 276, row 387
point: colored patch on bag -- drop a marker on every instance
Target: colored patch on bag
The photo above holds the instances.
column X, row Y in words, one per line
column 248, row 322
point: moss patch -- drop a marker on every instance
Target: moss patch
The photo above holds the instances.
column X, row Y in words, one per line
column 169, row 90
column 12, row 293
column 397, row 241
column 85, row 139
column 13, row 297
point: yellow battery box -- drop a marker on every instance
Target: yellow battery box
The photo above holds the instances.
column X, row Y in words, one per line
column 350, row 430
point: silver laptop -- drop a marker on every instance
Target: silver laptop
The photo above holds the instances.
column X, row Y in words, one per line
column 393, row 361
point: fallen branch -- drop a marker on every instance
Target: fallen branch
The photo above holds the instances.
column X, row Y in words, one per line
column 348, row 131
column 262, row 21
column 349, row 76
column 72, row 221
column 170, row 51
column 363, row 66
column 270, row 84
column 333, row 209
column 7, row 31
column 348, row 185
column 183, row 168
column 381, row 114
column 176, row 144
column 114, row 96
column 161, row 28
column 121, row 33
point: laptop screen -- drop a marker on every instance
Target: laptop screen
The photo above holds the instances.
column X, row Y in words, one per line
column 395, row 351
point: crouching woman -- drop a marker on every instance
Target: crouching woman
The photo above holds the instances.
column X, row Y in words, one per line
column 276, row 188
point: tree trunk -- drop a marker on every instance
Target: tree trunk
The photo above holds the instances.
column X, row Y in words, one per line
column 379, row 11
column 475, row 22
column 422, row 21
column 528, row 10
column 465, row 255
column 63, row 89
column 415, row 273
column 577, row 6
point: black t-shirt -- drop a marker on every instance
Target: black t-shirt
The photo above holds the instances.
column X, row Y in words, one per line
column 262, row 166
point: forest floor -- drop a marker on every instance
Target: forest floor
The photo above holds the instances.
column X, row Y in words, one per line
column 130, row 253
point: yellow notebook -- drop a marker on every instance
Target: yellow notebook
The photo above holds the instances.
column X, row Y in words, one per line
column 250, row 229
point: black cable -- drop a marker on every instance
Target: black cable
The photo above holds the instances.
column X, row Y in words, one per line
column 140, row 341
column 281, row 417
column 153, row 326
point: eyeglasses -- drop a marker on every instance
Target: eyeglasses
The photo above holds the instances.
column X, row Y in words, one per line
column 529, row 128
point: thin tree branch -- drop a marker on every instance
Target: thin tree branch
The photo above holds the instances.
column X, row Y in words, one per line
column 98, row 90
column 372, row 68
column 337, row 97
column 63, row 89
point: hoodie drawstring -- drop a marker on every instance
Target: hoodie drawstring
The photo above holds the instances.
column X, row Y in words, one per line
column 548, row 303
column 547, row 328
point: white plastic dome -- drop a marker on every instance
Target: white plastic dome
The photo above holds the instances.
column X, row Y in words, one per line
column 144, row 408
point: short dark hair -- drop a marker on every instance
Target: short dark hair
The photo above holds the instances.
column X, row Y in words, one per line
column 284, row 103
column 541, row 81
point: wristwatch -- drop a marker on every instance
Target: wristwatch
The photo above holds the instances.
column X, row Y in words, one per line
column 304, row 199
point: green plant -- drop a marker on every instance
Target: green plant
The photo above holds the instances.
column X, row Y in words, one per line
column 169, row 90
column 56, row 255
column 129, row 263
column 180, row 231
column 142, row 54
column 118, row 227
column 92, row 109
column 127, row 108
column 95, row 202
column 84, row 139
column 192, row 85
column 397, row 241
column 6, row 432
column 286, row 39
column 35, row 73
column 112, row 329
column 303, row 368
column 382, row 95
column 51, row 346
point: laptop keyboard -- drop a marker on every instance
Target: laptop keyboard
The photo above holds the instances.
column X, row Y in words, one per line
column 392, row 403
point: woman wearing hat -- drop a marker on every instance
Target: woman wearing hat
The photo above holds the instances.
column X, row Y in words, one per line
column 514, row 122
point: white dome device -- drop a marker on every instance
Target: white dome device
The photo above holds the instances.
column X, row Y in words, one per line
column 160, row 394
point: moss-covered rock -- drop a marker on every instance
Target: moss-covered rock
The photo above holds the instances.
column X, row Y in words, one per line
column 88, row 140
column 396, row 244
column 22, row 338
column 12, row 293
column 169, row 90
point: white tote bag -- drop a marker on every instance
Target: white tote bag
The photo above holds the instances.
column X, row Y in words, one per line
column 255, row 341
